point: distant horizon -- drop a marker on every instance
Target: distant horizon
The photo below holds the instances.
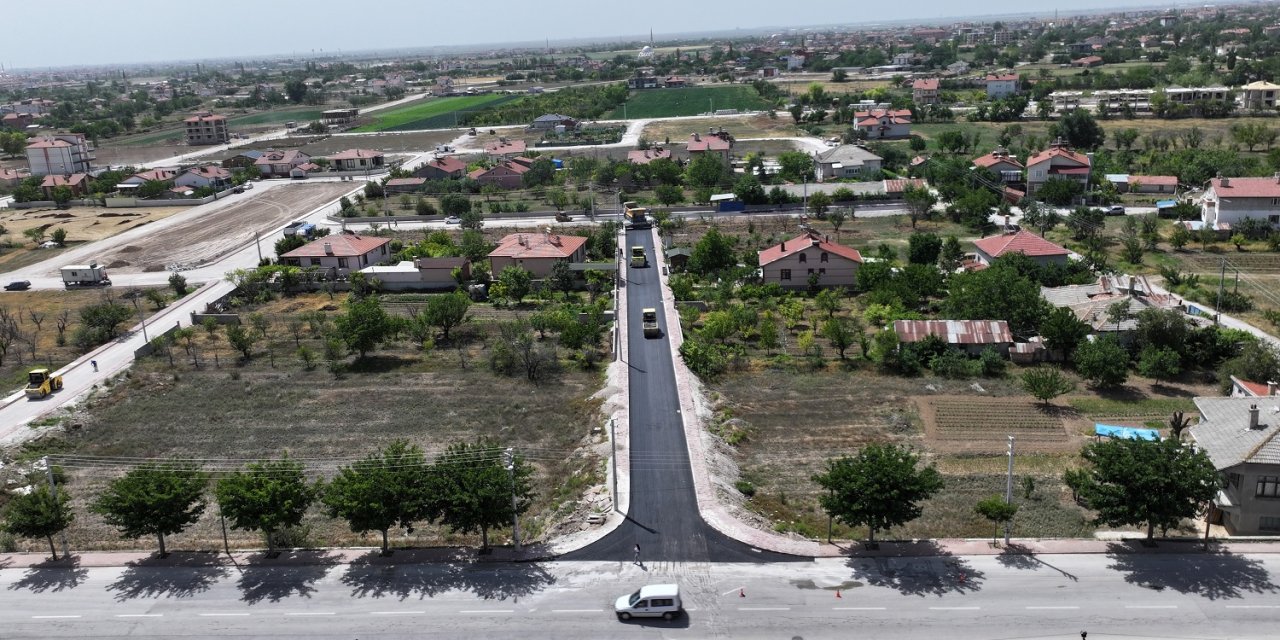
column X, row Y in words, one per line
column 256, row 33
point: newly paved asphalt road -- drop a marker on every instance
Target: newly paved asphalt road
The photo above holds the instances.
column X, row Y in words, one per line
column 663, row 517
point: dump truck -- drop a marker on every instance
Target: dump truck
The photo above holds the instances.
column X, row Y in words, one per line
column 637, row 216
column 41, row 383
column 638, row 257
column 649, row 319
column 85, row 275
column 300, row 228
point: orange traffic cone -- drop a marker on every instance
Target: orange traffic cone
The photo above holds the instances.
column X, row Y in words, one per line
column 838, row 596
column 742, row 593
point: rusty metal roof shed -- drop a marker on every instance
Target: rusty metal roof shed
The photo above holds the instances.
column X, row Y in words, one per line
column 955, row 331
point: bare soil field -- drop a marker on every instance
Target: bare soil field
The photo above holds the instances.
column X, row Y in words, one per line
column 231, row 410
column 753, row 126
column 968, row 424
column 211, row 236
column 417, row 141
column 126, row 155
column 82, row 224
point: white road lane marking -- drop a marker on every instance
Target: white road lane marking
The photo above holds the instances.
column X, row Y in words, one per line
column 1253, row 606
column 51, row 617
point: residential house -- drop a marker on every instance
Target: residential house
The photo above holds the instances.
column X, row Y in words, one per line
column 443, row 86
column 846, row 161
column 791, row 262
column 305, row 169
column 17, row 121
column 206, row 128
column 1040, row 251
column 959, row 67
column 924, row 91
column 1087, row 62
column 768, row 72
column 645, row 156
column 970, row 336
column 441, row 168
column 1058, row 161
column 278, row 164
column 204, row 177
column 77, row 182
column 715, row 144
column 1192, row 95
column 896, row 188
column 154, row 175
column 537, row 253
column 505, row 148
column 339, row 117
column 642, row 82
column 405, row 185
column 1241, row 388
column 357, row 160
column 421, row 274
column 11, row 178
column 341, row 253
column 1239, row 435
column 61, row 154
column 877, row 124
column 674, row 82
column 1003, row 164
column 1001, row 85
column 1092, row 303
column 553, row 121
column 506, row 174
column 242, row 160
column 678, row 257
column 1228, row 201
column 1259, row 95
column 1130, row 183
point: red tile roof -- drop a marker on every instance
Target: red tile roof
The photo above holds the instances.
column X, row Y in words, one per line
column 1155, row 181
column 69, row 181
column 524, row 246
column 1023, row 242
column 343, row 245
column 1088, row 60
column 1058, row 152
column 876, row 116
column 798, row 243
column 406, row 182
column 288, row 156
column 156, row 174
column 210, row 171
column 698, row 143
column 994, row 158
column 954, row 331
column 645, row 156
column 899, row 185
column 48, row 143
column 448, row 164
column 356, row 154
column 1254, row 389
column 1246, row 187
column 208, row 118
column 1004, row 77
column 925, row 84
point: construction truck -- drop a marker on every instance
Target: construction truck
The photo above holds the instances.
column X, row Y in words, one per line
column 40, row 383
column 563, row 217
column 637, row 216
column 638, row 257
column 649, row 319
column 85, row 275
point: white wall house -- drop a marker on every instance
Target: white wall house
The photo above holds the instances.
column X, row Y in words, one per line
column 1228, row 201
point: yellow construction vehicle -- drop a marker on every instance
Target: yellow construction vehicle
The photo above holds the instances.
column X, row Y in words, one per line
column 41, row 382
column 649, row 321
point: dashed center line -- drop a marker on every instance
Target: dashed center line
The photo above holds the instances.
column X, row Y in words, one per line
column 1253, row 606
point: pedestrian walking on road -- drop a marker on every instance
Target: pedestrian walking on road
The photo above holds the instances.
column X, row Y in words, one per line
column 95, row 365
column 637, row 554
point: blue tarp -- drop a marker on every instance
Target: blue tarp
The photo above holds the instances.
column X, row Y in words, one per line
column 1166, row 204
column 1128, row 433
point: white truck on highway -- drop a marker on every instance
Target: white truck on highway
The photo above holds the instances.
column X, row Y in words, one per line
column 85, row 275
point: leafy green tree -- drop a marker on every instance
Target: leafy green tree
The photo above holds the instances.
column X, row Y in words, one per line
column 829, row 300
column 1079, row 129
column 713, row 253
column 920, row 203
column 365, row 325
column 1046, row 383
column 747, row 189
column 841, row 334
column 952, row 255
column 447, row 311
column 388, row 488
column 996, row 293
column 266, row 496
column 561, row 278
column 154, row 499
column 39, row 513
column 35, row 234
column 1062, row 331
column 178, row 283
column 59, row 235
column 1159, row 363
column 541, row 173
column 474, row 489
column 241, row 339
column 62, row 194
column 995, row 509
column 1103, row 362
column 819, row 202
column 288, row 243
column 513, row 284
column 881, row 487
column 923, row 248
column 795, row 166
column 1040, row 217
column 472, row 220
column 1141, row 482
column 296, row 89
column 706, row 171
column 1059, row 191
column 669, row 194
column 455, row 204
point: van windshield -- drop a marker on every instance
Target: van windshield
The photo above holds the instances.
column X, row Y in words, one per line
column 635, row 597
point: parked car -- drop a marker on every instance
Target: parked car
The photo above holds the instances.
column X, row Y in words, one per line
column 1115, row 210
column 453, row 220
column 18, row 285
column 49, row 244
column 651, row 601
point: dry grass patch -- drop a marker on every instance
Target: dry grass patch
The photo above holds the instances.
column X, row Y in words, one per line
column 752, row 126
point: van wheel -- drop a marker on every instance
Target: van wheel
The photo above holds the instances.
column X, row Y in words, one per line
column 624, row 616
column 59, row 385
column 668, row 615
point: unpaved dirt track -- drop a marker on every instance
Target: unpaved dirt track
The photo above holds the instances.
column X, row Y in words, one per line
column 206, row 238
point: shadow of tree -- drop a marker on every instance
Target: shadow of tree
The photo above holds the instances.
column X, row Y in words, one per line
column 1016, row 556
column 181, row 575
column 52, row 576
column 1214, row 575
column 929, row 570
column 291, row 574
column 372, row 576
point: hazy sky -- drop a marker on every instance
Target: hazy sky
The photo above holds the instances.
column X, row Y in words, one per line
column 46, row 33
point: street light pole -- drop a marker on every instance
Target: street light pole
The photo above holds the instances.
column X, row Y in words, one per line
column 258, row 245
column 141, row 319
column 1008, row 492
column 53, row 490
column 509, row 458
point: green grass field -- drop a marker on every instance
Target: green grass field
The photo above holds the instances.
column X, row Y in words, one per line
column 689, row 101
column 302, row 116
column 431, row 113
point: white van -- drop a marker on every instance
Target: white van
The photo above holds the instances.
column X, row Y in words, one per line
column 650, row 601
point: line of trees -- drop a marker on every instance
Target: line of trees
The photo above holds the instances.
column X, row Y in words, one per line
column 470, row 488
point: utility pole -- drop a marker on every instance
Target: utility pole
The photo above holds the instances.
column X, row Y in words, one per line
column 613, row 443
column 509, row 458
column 141, row 319
column 1008, row 493
column 258, row 245
column 1222, row 280
column 53, row 489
